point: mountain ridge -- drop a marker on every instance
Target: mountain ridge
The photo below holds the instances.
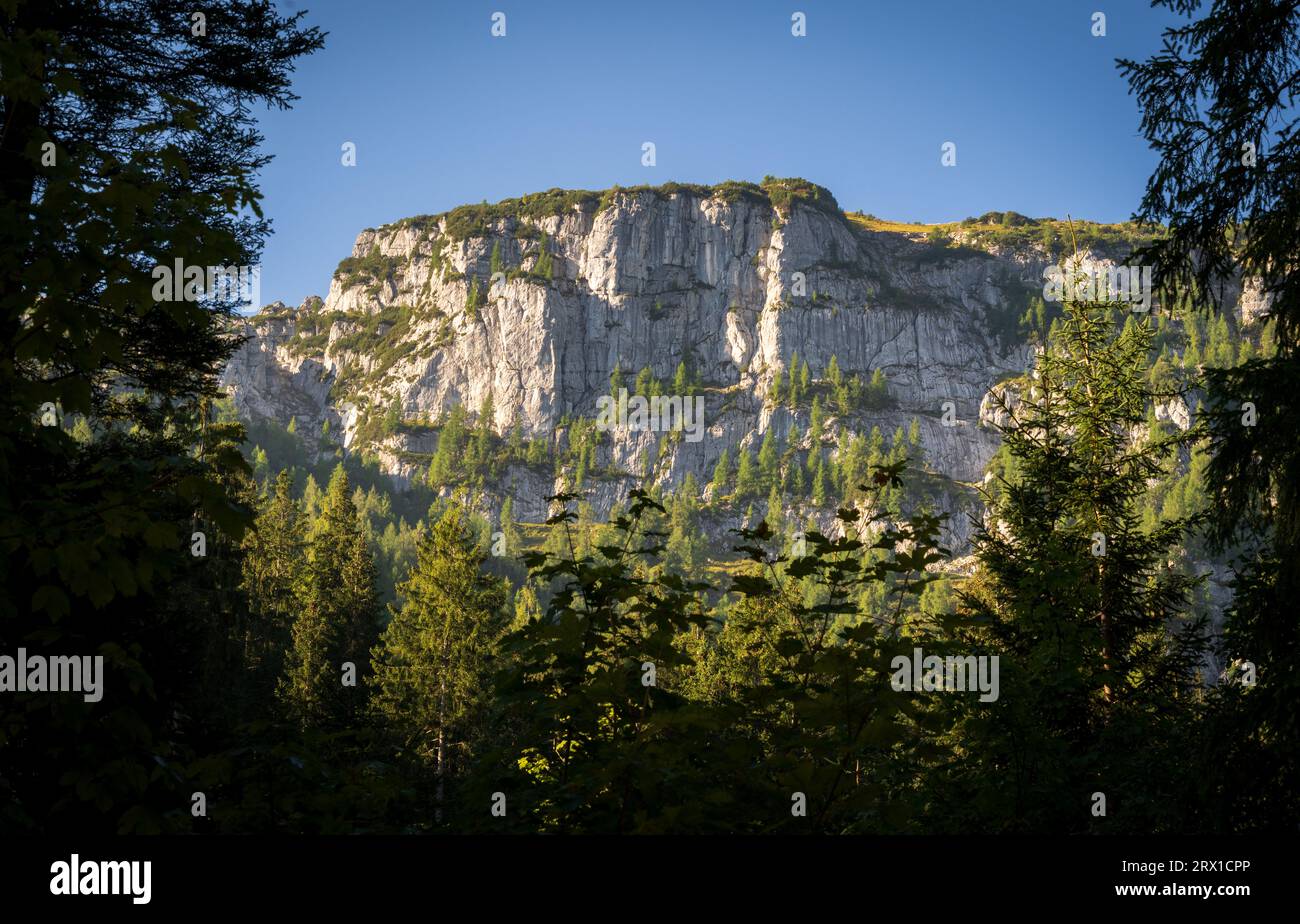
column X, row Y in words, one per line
column 526, row 309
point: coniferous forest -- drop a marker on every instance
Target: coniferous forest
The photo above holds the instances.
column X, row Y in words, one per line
column 294, row 643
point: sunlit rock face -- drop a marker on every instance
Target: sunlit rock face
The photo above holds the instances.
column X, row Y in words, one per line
column 733, row 286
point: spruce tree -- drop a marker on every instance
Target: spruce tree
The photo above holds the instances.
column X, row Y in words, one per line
column 431, row 661
column 817, row 423
column 480, row 452
column 877, row 390
column 799, row 480
column 514, row 542
column 774, row 390
column 775, row 518
column 1218, row 105
column 645, row 383
column 747, row 479
column 274, row 555
column 722, row 474
column 339, row 617
column 616, row 381
column 769, row 468
column 681, row 379
column 819, row 495
column 833, row 373
column 543, row 268
column 684, row 550
column 1080, row 602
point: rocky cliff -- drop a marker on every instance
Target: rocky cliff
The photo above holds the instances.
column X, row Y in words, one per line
column 534, row 303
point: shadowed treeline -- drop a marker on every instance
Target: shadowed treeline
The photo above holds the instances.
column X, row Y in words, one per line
column 822, row 686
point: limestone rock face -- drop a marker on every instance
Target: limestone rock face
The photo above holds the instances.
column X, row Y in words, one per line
column 735, row 289
column 1176, row 411
column 1254, row 303
column 268, row 380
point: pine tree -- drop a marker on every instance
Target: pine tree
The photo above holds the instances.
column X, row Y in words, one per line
column 722, row 474
column 875, row 447
column 275, row 553
column 82, row 433
column 527, row 607
column 844, row 396
column 681, row 380
column 853, row 464
column 898, row 445
column 543, row 268
column 833, row 372
column 817, row 425
column 769, row 469
column 312, row 501
column 645, row 383
column 481, row 450
column 515, row 451
column 684, row 550
column 358, row 587
column 855, row 393
column 473, row 299
column 775, row 518
column 446, row 467
column 1099, row 668
column 431, row 662
column 774, row 390
column 338, row 620
column 537, row 452
column 510, row 530
column 747, row 479
column 877, row 390
column 261, row 464
column 583, row 529
column 819, row 496
column 615, row 381
column 392, row 417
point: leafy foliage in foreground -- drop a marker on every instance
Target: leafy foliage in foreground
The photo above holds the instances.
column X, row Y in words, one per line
column 623, row 697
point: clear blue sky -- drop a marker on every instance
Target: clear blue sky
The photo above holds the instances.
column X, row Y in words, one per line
column 442, row 113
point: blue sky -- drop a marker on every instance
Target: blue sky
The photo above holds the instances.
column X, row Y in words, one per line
column 442, row 113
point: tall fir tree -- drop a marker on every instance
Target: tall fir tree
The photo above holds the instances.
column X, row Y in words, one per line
column 430, row 666
column 1218, row 106
column 747, row 478
column 1082, row 605
column 769, row 466
column 273, row 560
column 722, row 474
column 338, row 621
